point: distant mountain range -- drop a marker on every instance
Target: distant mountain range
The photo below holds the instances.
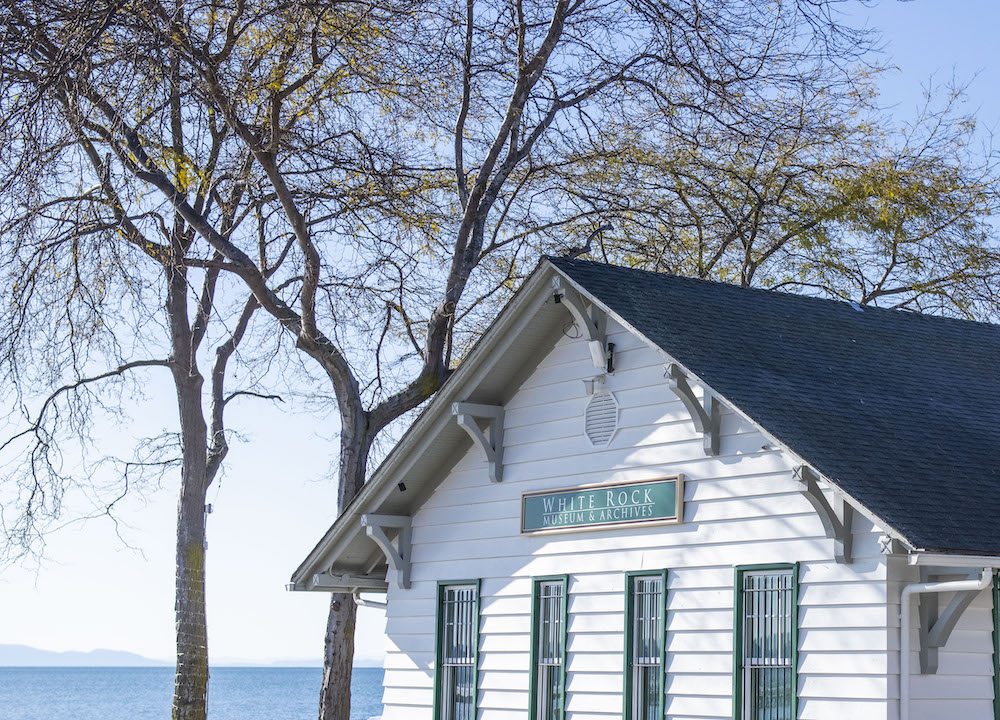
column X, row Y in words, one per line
column 26, row 656
column 23, row 655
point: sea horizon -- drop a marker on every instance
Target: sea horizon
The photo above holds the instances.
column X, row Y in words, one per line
column 145, row 693
column 19, row 655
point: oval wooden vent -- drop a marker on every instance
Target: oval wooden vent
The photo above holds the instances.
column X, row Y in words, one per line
column 601, row 419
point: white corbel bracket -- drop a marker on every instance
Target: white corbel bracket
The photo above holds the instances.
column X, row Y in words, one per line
column 935, row 629
column 398, row 555
column 706, row 415
column 466, row 414
column 587, row 322
column 837, row 519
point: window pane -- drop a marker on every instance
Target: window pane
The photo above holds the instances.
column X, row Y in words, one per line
column 768, row 617
column 646, row 603
column 549, row 648
column 458, row 627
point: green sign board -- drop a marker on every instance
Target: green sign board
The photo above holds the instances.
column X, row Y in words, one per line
column 599, row 505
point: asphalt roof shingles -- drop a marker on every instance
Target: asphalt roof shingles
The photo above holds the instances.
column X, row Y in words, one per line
column 900, row 410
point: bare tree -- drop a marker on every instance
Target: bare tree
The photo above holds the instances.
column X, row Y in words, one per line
column 406, row 161
column 99, row 287
column 819, row 205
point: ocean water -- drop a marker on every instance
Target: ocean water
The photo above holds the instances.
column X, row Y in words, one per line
column 145, row 693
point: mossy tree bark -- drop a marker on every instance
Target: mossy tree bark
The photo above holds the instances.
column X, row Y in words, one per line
column 338, row 657
column 191, row 678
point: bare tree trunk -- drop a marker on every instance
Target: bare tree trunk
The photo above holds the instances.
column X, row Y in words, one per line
column 191, row 679
column 338, row 658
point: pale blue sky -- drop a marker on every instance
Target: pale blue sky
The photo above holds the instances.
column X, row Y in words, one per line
column 271, row 508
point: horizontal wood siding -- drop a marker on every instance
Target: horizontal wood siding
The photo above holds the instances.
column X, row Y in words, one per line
column 740, row 508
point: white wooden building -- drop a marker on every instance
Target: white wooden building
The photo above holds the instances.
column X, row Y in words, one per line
column 832, row 468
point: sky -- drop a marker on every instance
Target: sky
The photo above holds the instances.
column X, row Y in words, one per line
column 277, row 496
column 273, row 503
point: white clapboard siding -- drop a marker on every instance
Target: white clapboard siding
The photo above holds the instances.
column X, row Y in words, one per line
column 742, row 507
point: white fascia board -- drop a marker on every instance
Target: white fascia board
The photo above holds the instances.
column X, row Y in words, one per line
column 950, row 560
column 796, row 458
column 499, row 335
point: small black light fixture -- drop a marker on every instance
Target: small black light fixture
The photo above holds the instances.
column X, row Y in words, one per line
column 401, row 485
column 611, row 357
column 557, row 298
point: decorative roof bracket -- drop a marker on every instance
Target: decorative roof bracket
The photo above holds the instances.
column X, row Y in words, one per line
column 935, row 629
column 589, row 323
column 466, row 415
column 398, row 555
column 706, row 415
column 837, row 519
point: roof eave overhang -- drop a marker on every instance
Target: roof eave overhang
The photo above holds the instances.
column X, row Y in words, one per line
column 534, row 292
column 503, row 331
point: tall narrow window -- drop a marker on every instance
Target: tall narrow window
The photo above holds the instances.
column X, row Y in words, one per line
column 457, row 670
column 645, row 630
column 766, row 642
column 548, row 648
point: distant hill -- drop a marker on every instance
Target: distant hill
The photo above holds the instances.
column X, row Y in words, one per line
column 25, row 656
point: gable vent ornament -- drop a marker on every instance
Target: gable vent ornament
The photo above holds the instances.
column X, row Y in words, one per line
column 601, row 418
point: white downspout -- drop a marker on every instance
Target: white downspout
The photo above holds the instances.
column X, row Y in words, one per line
column 904, row 625
column 362, row 602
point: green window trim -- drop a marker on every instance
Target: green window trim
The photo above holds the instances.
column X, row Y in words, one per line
column 738, row 615
column 630, row 578
column 536, row 586
column 442, row 587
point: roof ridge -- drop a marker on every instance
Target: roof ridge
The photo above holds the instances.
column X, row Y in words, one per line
column 897, row 313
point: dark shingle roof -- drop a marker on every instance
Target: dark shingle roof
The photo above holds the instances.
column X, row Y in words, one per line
column 900, row 410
